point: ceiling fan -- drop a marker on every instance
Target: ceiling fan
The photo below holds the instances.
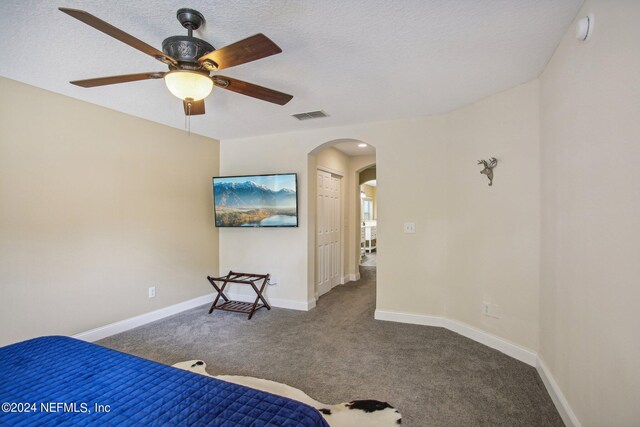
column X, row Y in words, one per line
column 191, row 62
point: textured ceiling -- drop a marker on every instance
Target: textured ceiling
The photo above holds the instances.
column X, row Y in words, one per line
column 358, row 60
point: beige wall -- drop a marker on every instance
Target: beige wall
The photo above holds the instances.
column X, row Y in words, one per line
column 282, row 252
column 334, row 160
column 95, row 207
column 479, row 244
column 590, row 132
column 494, row 232
column 400, row 145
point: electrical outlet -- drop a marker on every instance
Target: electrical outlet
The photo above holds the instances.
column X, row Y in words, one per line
column 486, row 309
column 152, row 292
column 490, row 310
column 410, row 227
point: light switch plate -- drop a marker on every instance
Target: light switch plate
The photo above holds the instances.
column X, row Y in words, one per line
column 410, row 227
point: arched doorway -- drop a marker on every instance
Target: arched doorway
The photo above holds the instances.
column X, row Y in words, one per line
column 368, row 217
column 335, row 244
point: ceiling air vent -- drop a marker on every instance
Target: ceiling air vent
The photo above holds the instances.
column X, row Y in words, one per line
column 310, row 115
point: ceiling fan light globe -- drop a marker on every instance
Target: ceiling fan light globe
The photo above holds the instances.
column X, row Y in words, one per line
column 188, row 84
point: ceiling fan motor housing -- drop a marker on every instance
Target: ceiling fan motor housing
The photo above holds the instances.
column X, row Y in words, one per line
column 190, row 19
column 186, row 50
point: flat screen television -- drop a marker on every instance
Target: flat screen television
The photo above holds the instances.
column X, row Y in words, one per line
column 256, row 200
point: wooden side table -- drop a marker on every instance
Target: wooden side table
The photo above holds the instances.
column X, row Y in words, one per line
column 257, row 281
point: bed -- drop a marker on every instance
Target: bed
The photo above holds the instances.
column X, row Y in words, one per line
column 59, row 380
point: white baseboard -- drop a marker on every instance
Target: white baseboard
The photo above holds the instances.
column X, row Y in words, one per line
column 133, row 322
column 349, row 278
column 275, row 302
column 353, row 277
column 520, row 353
column 567, row 414
column 311, row 304
column 415, row 319
column 510, row 349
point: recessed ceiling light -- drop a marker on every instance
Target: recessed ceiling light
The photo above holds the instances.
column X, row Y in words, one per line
column 362, row 145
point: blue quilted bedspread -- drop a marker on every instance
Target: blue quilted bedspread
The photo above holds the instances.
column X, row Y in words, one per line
column 63, row 381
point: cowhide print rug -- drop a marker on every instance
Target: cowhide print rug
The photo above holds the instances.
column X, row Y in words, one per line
column 362, row 413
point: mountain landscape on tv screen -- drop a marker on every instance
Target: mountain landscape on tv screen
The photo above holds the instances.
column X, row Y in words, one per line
column 249, row 204
column 248, row 194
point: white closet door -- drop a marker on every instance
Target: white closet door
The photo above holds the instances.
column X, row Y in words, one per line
column 328, row 226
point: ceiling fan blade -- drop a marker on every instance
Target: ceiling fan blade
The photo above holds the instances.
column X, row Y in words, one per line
column 111, row 80
column 250, row 89
column 196, row 108
column 247, row 50
column 117, row 33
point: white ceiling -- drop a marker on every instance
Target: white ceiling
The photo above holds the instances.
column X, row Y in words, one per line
column 358, row 60
column 350, row 148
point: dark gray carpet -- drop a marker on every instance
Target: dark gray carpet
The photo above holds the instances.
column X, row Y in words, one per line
column 338, row 352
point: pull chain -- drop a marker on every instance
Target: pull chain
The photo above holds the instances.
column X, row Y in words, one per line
column 187, row 119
